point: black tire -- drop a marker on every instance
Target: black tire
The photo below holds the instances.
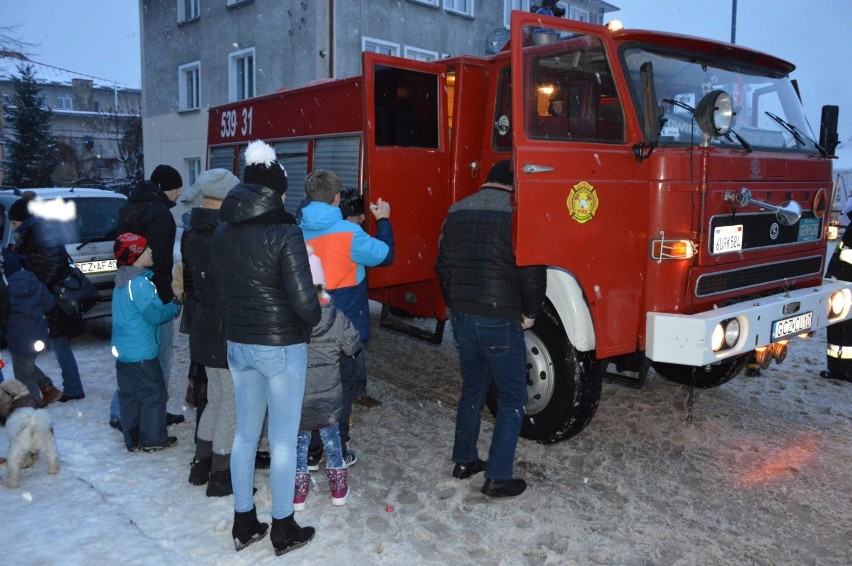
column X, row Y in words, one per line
column 563, row 385
column 706, row 377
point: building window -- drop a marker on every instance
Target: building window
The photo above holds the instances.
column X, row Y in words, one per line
column 509, row 5
column 420, row 54
column 64, row 102
column 241, row 78
column 427, row 2
column 463, row 7
column 188, row 10
column 189, row 79
column 193, row 168
column 578, row 14
column 379, row 46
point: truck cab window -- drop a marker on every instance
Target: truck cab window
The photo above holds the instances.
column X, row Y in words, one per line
column 570, row 93
column 406, row 108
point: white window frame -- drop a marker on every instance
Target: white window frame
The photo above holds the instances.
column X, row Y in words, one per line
column 194, row 10
column 234, row 60
column 451, row 6
column 189, row 75
column 509, row 5
column 64, row 101
column 418, row 54
column 584, row 15
column 374, row 45
column 193, row 169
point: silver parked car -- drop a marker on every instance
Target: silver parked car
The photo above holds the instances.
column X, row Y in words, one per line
column 93, row 232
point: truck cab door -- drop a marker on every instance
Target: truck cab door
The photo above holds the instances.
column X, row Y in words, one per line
column 406, row 147
column 578, row 194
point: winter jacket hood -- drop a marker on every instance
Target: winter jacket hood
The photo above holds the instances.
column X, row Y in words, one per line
column 127, row 272
column 253, row 203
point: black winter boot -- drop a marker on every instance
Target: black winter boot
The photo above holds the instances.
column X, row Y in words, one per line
column 247, row 529
column 220, row 484
column 199, row 471
column 287, row 535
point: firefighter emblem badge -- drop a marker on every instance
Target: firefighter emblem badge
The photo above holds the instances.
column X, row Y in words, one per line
column 582, row 202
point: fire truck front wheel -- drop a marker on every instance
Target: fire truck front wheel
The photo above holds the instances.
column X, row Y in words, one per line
column 563, row 385
column 712, row 375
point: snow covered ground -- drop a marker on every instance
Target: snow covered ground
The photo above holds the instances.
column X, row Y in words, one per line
column 761, row 476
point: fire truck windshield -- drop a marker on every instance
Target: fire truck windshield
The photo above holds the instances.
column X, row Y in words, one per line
column 768, row 115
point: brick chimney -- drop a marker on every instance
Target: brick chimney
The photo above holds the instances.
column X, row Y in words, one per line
column 81, row 90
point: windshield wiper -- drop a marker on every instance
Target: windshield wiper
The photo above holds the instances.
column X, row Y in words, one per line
column 745, row 144
column 797, row 133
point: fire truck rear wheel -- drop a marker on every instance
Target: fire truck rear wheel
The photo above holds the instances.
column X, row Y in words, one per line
column 706, row 377
column 563, row 385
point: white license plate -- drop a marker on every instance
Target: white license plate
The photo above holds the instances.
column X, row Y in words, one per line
column 727, row 239
column 97, row 266
column 793, row 325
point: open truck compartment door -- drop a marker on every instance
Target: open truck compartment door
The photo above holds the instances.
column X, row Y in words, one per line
column 577, row 179
column 407, row 164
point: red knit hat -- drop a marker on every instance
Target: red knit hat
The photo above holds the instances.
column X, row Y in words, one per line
column 128, row 248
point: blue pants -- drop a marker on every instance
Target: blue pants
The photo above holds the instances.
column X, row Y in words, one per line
column 165, row 354
column 142, row 402
column 71, row 384
column 330, row 436
column 490, row 349
column 273, row 377
column 359, row 374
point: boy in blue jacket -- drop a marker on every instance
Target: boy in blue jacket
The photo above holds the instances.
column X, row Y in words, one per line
column 137, row 313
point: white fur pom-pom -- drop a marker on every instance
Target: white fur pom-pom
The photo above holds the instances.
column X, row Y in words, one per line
column 260, row 153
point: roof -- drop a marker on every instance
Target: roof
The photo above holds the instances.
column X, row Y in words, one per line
column 10, row 60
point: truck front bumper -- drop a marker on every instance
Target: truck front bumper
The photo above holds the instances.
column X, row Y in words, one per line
column 688, row 339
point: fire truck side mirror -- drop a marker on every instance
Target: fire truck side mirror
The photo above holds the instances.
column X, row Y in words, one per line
column 828, row 128
column 651, row 111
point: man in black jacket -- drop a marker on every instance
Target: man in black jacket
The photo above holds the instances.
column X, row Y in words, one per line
column 493, row 302
column 147, row 214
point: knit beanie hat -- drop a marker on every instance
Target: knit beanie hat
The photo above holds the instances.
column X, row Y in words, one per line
column 215, row 183
column 262, row 167
column 128, row 248
column 167, row 178
column 20, row 209
column 500, row 176
column 317, row 273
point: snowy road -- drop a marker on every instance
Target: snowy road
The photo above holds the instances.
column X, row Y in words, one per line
column 762, row 476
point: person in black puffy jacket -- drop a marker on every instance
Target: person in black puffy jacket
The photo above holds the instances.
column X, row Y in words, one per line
column 493, row 301
column 271, row 306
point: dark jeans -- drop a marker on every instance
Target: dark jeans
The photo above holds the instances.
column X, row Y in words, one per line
column 359, row 374
column 71, row 384
column 28, row 373
column 142, row 403
column 490, row 349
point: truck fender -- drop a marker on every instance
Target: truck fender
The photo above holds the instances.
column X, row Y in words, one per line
column 566, row 296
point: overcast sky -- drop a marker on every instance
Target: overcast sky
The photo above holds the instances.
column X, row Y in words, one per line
column 101, row 37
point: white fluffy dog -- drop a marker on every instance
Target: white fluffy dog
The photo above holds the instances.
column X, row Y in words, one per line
column 30, row 431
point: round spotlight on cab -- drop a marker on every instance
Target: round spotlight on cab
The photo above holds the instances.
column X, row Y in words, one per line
column 715, row 113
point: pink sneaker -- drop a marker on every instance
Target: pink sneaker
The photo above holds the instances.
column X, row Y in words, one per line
column 303, row 484
column 338, row 484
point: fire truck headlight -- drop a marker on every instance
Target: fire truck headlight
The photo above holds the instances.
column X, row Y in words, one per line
column 725, row 335
column 715, row 113
column 839, row 304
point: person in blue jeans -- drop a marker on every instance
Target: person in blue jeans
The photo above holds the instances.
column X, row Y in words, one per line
column 270, row 306
column 493, row 301
column 137, row 313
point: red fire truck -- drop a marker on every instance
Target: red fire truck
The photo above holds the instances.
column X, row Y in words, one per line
column 678, row 196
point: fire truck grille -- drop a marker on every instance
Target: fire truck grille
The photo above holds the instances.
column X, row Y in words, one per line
column 727, row 281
